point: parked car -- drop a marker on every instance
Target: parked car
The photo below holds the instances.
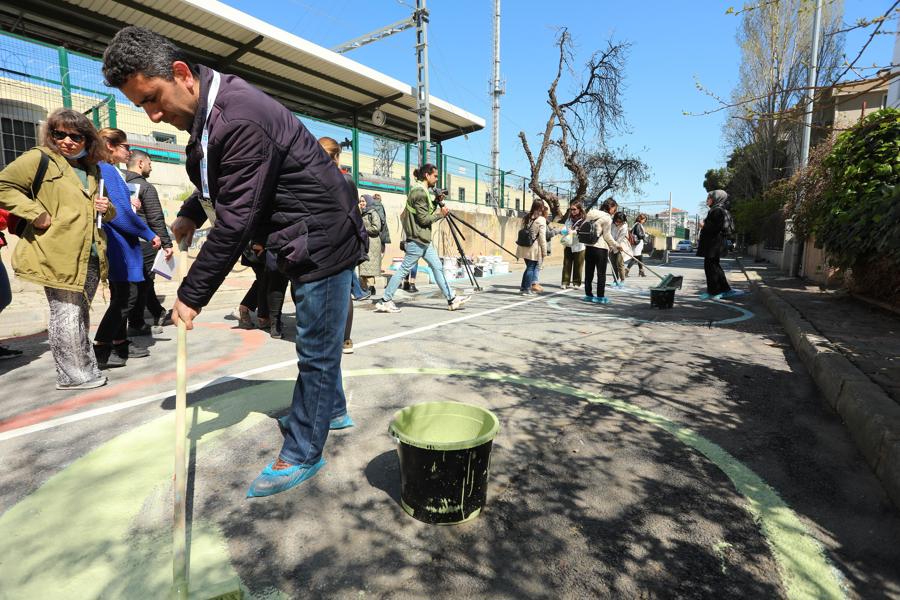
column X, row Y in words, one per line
column 684, row 246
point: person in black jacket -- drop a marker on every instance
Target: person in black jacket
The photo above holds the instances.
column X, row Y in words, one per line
column 260, row 175
column 150, row 210
column 711, row 245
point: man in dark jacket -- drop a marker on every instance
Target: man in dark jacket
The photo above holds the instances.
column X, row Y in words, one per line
column 260, row 174
column 150, row 210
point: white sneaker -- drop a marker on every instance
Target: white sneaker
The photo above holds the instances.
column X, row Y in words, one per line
column 457, row 302
column 387, row 306
column 87, row 385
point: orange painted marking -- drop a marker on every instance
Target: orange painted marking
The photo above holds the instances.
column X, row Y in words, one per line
column 250, row 342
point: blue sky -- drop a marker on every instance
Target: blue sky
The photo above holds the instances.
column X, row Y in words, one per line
column 672, row 44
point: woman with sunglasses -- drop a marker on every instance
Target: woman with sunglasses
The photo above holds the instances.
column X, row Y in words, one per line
column 126, row 259
column 61, row 247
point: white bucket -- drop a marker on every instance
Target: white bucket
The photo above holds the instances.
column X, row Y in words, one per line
column 501, row 267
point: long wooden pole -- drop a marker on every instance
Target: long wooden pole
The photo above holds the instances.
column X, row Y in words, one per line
column 179, row 541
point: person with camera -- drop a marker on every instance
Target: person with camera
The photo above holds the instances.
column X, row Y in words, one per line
column 417, row 218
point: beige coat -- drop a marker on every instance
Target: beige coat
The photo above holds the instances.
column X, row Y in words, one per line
column 58, row 256
column 372, row 265
column 538, row 250
column 603, row 222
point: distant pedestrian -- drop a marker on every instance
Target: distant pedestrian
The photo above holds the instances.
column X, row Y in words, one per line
column 371, row 268
column 711, row 245
column 573, row 254
column 5, row 290
column 420, row 213
column 61, row 247
column 150, row 210
column 638, row 237
column 126, row 261
column 596, row 236
column 532, row 247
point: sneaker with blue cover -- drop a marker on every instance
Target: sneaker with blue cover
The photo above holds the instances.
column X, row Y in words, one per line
column 704, row 296
column 271, row 482
column 602, row 300
column 588, row 299
column 732, row 294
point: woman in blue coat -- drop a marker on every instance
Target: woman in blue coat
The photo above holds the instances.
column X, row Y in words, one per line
column 126, row 260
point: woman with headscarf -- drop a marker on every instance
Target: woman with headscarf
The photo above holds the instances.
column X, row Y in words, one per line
column 61, row 247
column 711, row 245
column 371, row 268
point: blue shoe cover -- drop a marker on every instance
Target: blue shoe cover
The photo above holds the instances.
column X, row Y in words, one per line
column 588, row 299
column 602, row 300
column 705, row 296
column 341, row 422
column 336, row 423
column 732, row 294
column 271, row 482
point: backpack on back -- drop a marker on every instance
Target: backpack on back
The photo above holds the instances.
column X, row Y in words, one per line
column 524, row 237
column 587, row 233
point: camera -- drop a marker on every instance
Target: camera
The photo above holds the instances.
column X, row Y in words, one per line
column 439, row 195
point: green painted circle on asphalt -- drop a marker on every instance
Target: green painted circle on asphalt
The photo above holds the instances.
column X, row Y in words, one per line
column 82, row 530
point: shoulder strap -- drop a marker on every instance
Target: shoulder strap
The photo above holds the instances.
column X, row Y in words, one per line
column 39, row 175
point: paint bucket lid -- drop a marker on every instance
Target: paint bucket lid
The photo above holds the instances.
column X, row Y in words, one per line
column 444, row 425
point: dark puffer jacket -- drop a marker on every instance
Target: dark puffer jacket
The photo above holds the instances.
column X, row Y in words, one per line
column 269, row 179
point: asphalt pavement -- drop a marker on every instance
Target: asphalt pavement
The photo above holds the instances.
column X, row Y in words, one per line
column 643, row 453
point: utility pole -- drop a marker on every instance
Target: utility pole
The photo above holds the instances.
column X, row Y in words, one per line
column 796, row 241
column 669, row 232
column 423, row 105
column 811, row 85
column 496, row 92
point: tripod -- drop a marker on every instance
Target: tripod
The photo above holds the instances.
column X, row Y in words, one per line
column 455, row 231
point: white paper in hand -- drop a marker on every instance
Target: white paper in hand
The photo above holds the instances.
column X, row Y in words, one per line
column 163, row 267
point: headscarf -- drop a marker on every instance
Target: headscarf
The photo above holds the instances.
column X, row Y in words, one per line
column 719, row 198
column 370, row 203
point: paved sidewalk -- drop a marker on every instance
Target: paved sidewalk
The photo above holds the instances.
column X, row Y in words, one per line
column 852, row 350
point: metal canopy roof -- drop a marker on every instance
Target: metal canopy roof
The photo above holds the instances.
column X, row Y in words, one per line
column 303, row 76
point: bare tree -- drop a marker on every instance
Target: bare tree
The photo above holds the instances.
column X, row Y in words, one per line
column 578, row 128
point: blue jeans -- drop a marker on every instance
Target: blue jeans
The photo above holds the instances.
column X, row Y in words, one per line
column 5, row 291
column 530, row 276
column 415, row 251
column 319, row 392
column 355, row 287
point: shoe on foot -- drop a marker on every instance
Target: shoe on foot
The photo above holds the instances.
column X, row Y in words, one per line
column 387, row 306
column 412, row 289
column 85, row 385
column 139, row 329
column 405, row 285
column 457, row 302
column 732, row 294
column 588, row 299
column 164, row 319
column 9, row 353
column 705, row 296
column 366, row 295
column 128, row 349
column 107, row 359
column 342, row 422
column 601, row 300
column 348, row 347
column 271, row 482
column 371, row 290
column 526, row 292
column 244, row 320
column 536, row 287
column 275, row 330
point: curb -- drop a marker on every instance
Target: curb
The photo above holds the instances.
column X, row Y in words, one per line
column 871, row 416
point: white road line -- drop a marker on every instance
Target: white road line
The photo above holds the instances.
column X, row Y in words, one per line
column 119, row 406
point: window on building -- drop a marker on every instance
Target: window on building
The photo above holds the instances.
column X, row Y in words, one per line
column 167, row 138
column 461, row 194
column 16, row 138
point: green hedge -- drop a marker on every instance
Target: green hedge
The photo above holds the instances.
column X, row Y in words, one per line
column 859, row 215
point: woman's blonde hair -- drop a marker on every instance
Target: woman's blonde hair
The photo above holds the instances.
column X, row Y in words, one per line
column 331, row 148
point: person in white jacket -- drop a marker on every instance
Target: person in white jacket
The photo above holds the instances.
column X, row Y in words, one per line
column 597, row 252
column 620, row 234
column 536, row 225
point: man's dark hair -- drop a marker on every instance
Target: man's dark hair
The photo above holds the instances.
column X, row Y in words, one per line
column 136, row 50
column 137, row 155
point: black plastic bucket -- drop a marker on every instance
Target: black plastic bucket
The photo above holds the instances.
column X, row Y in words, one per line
column 445, row 456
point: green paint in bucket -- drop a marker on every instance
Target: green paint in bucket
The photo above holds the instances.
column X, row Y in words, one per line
column 445, row 455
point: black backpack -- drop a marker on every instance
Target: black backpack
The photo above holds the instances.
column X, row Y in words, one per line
column 525, row 238
column 587, row 233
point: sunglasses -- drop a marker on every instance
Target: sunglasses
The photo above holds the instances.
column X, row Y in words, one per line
column 126, row 146
column 59, row 136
